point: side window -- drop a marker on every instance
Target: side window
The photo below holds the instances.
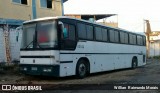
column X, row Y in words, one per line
column 114, row 36
column 111, row 35
column 98, row 33
column 65, row 31
column 126, row 38
column 69, row 32
column 139, row 40
column 132, row 39
column 72, row 32
column 81, row 31
column 89, row 32
column 104, row 34
column 122, row 37
column 144, row 40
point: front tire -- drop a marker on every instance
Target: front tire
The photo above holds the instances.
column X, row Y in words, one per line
column 81, row 69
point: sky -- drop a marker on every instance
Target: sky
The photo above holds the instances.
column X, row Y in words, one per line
column 131, row 13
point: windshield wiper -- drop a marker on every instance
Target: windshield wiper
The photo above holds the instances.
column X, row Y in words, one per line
column 28, row 44
column 36, row 44
column 39, row 46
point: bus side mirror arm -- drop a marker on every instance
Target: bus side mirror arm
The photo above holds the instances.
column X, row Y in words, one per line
column 17, row 33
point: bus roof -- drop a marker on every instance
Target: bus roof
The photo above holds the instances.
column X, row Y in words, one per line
column 59, row 17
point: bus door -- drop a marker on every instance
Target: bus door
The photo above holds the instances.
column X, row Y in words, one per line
column 68, row 37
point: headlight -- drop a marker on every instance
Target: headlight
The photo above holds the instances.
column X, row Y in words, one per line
column 25, row 69
column 34, row 68
column 47, row 69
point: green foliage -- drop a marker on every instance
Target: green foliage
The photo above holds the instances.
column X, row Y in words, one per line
column 156, row 57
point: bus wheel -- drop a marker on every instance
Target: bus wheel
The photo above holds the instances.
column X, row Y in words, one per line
column 81, row 69
column 134, row 63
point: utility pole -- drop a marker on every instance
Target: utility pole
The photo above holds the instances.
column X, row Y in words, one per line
column 148, row 32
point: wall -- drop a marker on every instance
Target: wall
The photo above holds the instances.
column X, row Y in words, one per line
column 14, row 44
column 45, row 12
column 154, row 48
column 10, row 10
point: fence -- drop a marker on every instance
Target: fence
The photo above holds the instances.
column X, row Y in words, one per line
column 14, row 46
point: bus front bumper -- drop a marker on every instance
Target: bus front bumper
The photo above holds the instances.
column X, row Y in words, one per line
column 44, row 70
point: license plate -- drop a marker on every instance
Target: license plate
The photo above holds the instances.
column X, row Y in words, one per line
column 34, row 68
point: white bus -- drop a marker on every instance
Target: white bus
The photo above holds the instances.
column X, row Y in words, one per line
column 62, row 46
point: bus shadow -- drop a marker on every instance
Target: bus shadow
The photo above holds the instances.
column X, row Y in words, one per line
column 109, row 72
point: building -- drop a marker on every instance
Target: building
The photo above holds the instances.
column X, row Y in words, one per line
column 23, row 9
column 112, row 24
column 95, row 17
column 13, row 14
column 154, row 43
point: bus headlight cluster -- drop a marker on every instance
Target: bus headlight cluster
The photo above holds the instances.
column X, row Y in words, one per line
column 47, row 69
column 23, row 68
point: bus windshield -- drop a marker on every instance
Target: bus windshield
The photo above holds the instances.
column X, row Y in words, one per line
column 39, row 35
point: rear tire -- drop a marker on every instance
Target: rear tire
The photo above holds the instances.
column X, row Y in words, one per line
column 134, row 63
column 81, row 69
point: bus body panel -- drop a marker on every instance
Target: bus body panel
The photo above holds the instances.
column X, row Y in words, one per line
column 48, row 57
column 40, row 62
column 102, row 55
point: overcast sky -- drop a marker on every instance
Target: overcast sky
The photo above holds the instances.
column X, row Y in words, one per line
column 130, row 12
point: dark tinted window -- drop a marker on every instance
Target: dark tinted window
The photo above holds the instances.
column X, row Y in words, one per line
column 132, row 39
column 104, row 34
column 144, row 40
column 89, row 31
column 66, row 31
column 123, row 37
column 126, row 38
column 139, row 40
column 114, row 36
column 111, row 35
column 82, row 31
column 98, row 33
column 69, row 31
